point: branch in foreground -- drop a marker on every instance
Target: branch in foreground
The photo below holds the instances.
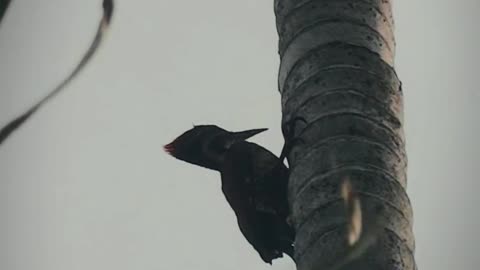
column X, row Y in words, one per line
column 361, row 233
column 3, row 7
column 8, row 129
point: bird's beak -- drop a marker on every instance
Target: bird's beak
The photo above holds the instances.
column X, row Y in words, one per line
column 243, row 135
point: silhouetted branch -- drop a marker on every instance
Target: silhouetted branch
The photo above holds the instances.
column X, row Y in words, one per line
column 8, row 129
column 3, row 7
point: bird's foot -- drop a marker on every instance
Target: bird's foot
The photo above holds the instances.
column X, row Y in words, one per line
column 288, row 129
column 290, row 221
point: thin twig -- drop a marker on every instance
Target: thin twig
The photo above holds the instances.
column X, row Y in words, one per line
column 13, row 125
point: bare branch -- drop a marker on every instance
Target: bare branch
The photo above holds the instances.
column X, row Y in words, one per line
column 8, row 129
column 3, row 7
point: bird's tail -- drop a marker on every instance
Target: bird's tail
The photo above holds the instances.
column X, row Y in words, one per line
column 286, row 238
column 289, row 250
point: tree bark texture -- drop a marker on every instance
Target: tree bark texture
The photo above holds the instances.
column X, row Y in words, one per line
column 336, row 73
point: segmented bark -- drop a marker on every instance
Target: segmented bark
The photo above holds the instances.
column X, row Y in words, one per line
column 336, row 72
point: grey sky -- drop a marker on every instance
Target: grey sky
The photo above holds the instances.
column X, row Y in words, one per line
column 85, row 184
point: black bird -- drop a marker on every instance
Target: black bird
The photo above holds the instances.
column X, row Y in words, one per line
column 254, row 182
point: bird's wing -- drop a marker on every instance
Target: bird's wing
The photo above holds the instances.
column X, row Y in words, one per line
column 248, row 166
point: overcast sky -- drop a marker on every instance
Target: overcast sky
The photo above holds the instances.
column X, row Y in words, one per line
column 85, row 184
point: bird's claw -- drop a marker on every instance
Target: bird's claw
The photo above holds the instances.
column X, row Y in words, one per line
column 288, row 129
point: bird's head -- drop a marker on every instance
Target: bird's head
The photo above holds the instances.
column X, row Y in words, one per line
column 206, row 145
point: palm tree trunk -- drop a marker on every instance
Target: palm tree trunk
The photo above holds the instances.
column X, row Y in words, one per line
column 337, row 74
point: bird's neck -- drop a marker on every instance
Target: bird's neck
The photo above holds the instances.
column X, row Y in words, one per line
column 213, row 159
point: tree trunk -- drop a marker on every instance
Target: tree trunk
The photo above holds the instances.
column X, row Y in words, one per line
column 337, row 74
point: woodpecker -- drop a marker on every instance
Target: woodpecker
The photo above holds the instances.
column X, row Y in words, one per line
column 254, row 182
